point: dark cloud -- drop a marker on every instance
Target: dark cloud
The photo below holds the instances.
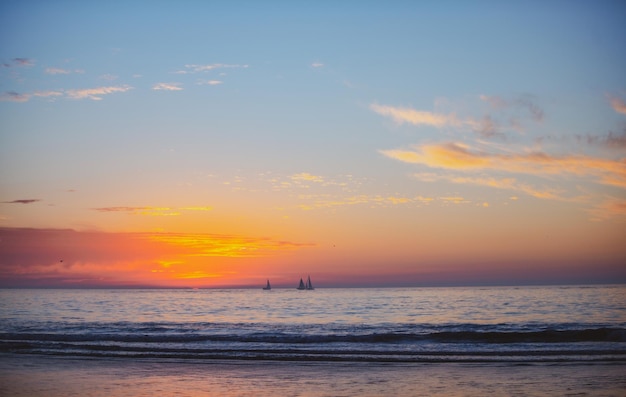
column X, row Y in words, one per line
column 611, row 140
column 18, row 62
column 13, row 96
column 22, row 201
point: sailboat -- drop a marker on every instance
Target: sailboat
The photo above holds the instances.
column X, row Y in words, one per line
column 268, row 286
column 309, row 286
column 301, row 286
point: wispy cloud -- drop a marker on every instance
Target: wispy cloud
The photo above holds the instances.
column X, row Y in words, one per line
column 457, row 156
column 454, row 199
column 206, row 208
column 611, row 140
column 195, row 68
column 203, row 245
column 12, row 96
column 96, row 93
column 485, row 126
column 167, row 87
column 108, row 77
column 609, row 208
column 47, row 94
column 312, row 202
column 618, row 104
column 497, row 183
column 317, row 65
column 22, row 201
column 525, row 102
column 62, row 71
column 88, row 93
column 148, row 211
column 403, row 115
column 501, row 115
column 19, row 62
column 151, row 211
column 209, row 82
column 305, row 176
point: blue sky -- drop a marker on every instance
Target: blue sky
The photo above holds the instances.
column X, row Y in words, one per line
column 369, row 123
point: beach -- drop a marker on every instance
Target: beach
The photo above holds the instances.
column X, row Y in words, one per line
column 29, row 375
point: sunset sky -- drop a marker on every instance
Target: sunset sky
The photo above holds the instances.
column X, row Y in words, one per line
column 369, row 143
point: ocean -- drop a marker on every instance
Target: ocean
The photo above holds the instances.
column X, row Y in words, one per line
column 552, row 340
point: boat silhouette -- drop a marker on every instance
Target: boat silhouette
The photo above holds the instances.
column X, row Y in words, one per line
column 307, row 286
column 268, row 286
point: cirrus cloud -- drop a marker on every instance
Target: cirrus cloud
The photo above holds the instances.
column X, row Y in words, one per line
column 167, row 87
column 403, row 115
column 22, row 201
column 457, row 156
column 96, row 94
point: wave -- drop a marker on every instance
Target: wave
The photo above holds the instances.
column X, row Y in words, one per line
column 153, row 334
column 316, row 342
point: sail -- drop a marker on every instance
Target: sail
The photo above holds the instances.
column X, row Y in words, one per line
column 309, row 286
column 268, row 286
column 301, row 286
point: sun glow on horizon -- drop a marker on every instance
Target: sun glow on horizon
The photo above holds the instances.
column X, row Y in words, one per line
column 378, row 151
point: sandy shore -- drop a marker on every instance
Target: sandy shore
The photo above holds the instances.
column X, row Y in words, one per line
column 29, row 375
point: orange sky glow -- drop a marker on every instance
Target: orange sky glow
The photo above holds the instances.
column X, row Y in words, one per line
column 363, row 145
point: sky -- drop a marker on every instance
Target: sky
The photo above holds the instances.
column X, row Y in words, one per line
column 213, row 144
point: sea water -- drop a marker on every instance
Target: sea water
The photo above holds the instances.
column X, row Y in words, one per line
column 572, row 330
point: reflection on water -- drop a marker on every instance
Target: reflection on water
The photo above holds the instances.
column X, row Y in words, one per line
column 323, row 306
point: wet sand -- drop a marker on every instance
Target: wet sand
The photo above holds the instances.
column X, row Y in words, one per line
column 31, row 375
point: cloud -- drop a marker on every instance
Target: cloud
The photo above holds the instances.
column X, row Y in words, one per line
column 109, row 77
column 194, row 68
column 147, row 211
column 167, row 87
column 610, row 208
column 213, row 245
column 525, row 102
column 402, row 115
column 457, row 156
column 19, row 62
column 501, row 115
column 305, row 176
column 325, row 201
column 96, row 93
column 151, row 211
column 120, row 209
column 57, row 71
column 64, row 257
column 210, row 82
column 497, row 183
column 46, row 94
column 22, row 201
column 89, row 93
column 12, row 96
column 486, row 126
column 618, row 104
column 317, row 65
column 611, row 140
column 454, row 199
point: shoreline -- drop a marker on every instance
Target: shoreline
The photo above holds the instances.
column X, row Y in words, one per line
column 52, row 376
